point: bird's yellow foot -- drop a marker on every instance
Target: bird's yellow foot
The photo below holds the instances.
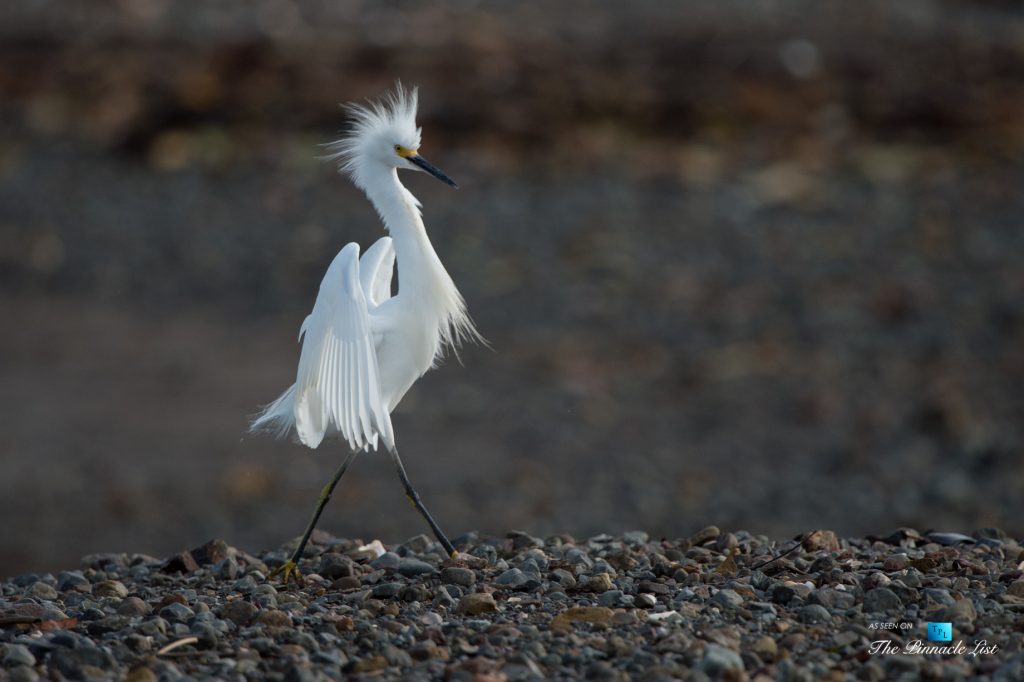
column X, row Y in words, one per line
column 288, row 571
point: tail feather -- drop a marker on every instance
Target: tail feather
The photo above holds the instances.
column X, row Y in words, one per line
column 277, row 418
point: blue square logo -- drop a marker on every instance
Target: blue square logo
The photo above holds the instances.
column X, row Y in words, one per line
column 940, row 632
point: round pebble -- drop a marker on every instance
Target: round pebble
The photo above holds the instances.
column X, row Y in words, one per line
column 455, row 575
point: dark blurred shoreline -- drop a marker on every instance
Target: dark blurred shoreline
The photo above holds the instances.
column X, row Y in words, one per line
column 912, row 71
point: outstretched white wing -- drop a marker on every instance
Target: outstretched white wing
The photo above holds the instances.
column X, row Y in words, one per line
column 376, row 268
column 338, row 383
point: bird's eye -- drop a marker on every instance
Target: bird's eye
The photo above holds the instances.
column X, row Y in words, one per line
column 398, row 148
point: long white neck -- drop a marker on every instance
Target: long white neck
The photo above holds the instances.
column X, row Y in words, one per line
column 420, row 270
column 423, row 282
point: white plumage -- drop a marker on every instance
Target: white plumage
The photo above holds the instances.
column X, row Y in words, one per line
column 362, row 348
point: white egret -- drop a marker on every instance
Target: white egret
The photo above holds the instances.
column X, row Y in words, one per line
column 362, row 348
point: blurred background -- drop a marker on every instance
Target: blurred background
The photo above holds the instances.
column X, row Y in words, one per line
column 752, row 264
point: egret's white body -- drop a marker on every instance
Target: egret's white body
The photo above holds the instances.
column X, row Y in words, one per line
column 362, row 348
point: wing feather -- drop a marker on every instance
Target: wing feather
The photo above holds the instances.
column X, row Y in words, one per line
column 338, row 383
column 376, row 268
column 346, row 392
column 330, row 383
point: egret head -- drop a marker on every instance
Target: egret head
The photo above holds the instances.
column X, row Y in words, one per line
column 384, row 135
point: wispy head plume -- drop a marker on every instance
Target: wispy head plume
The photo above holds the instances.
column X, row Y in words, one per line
column 375, row 128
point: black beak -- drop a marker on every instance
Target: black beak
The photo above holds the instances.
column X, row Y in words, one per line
column 432, row 169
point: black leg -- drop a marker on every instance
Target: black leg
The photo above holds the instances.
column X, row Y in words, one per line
column 291, row 567
column 414, row 497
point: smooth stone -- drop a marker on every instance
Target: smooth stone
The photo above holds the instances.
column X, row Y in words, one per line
column 207, row 635
column 71, row 640
column 265, row 600
column 227, row 569
column 153, row 626
column 513, row 578
column 410, row 567
column 42, row 591
column 821, row 540
column 386, row 590
column 815, row 613
column 665, row 617
column 349, row 582
column 211, row 552
column 334, row 566
column 454, row 575
column 18, row 654
column 386, row 560
column 107, row 624
column 530, row 567
column 845, row 638
column 75, row 663
column 727, row 599
column 766, row 648
column 522, row 540
column 564, row 578
column 653, row 587
column 396, row 658
column 25, row 580
column 881, row 600
column 611, row 598
column 110, row 588
column 176, row 613
column 486, row 552
column 370, row 664
column 601, row 616
column 239, row 612
column 476, row 604
column 443, row 598
column 600, row 582
column 961, row 610
column 274, row 618
column 949, row 539
column 73, row 581
column 832, row 599
column 706, row 534
column 23, row 673
column 411, row 593
column 783, row 594
column 719, row 661
column 646, row 601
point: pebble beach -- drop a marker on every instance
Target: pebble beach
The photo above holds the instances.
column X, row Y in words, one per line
column 715, row 605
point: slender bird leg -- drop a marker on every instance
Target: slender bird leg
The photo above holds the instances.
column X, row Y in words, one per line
column 290, row 569
column 414, row 497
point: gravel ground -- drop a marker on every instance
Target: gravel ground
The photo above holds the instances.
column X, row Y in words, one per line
column 712, row 606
